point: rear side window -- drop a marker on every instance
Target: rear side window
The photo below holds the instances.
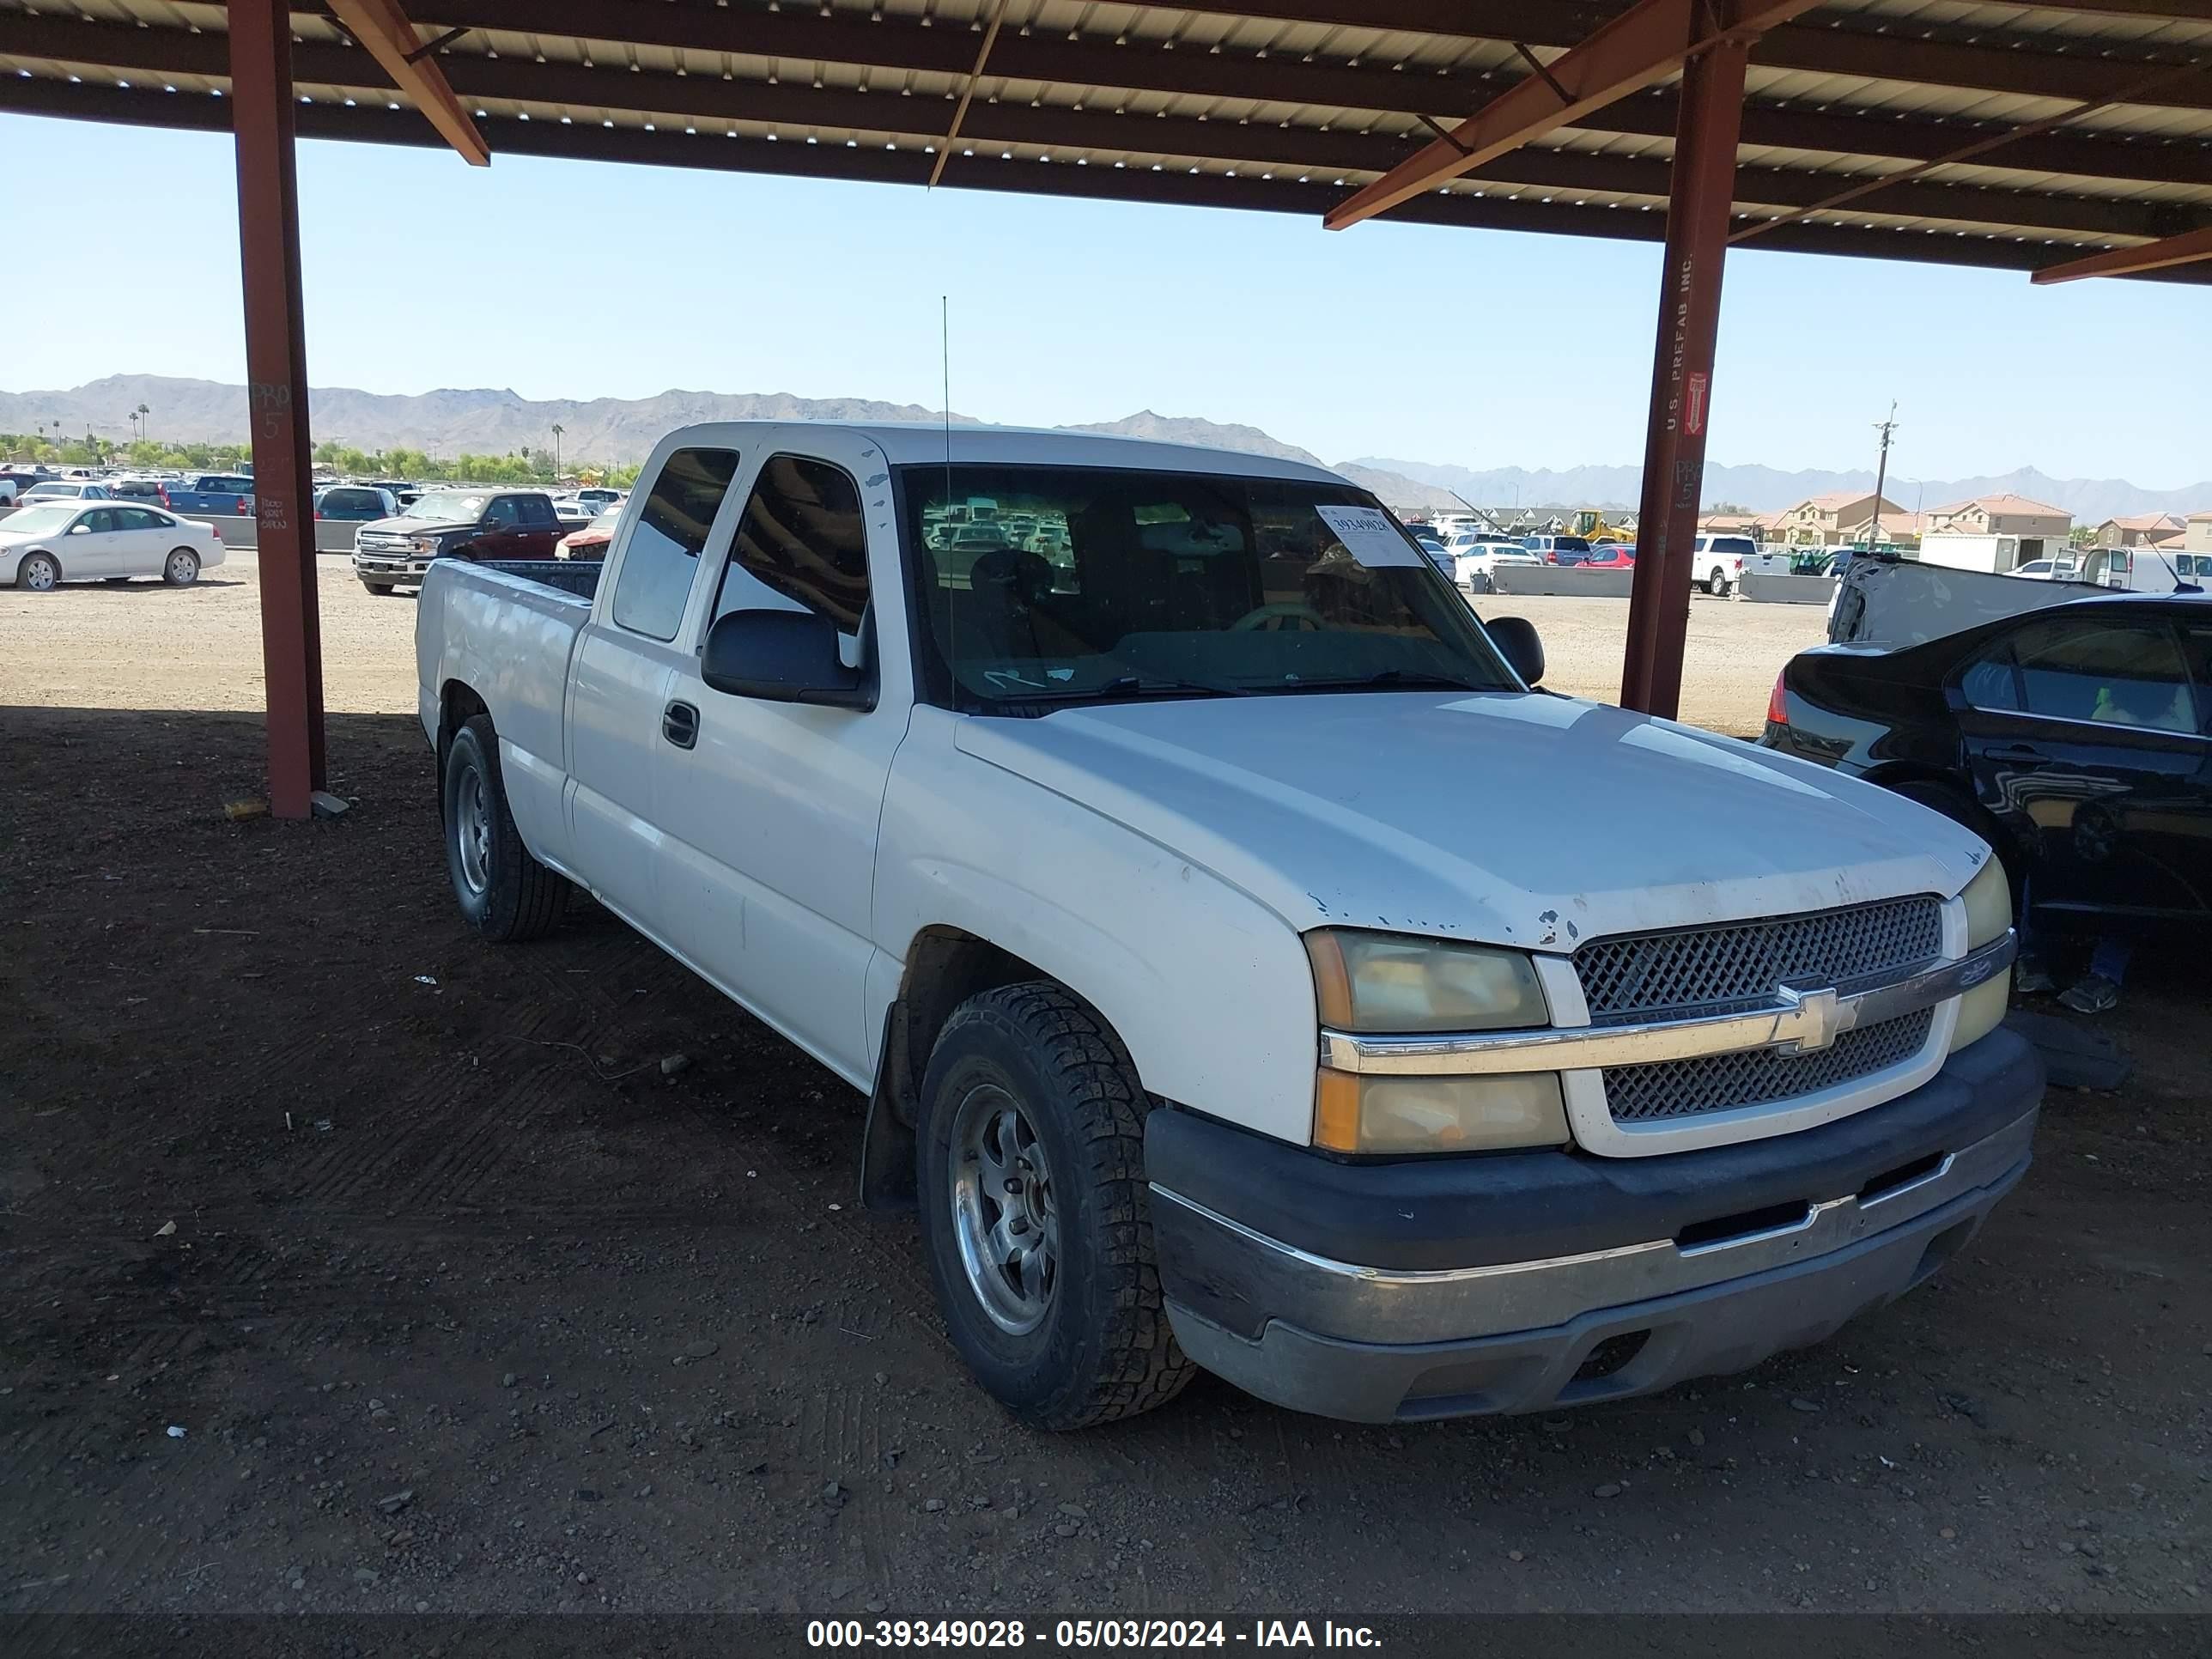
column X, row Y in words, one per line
column 2109, row 673
column 537, row 510
column 803, row 540
column 663, row 552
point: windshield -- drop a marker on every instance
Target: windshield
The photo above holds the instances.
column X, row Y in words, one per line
column 447, row 506
column 37, row 521
column 1093, row 584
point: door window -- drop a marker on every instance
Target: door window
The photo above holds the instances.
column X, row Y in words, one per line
column 100, row 523
column 2197, row 646
column 505, row 511
column 801, row 545
column 2115, row 673
column 136, row 518
column 665, row 543
column 537, row 511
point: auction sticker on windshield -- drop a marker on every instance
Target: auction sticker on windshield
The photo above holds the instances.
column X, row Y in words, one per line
column 1369, row 535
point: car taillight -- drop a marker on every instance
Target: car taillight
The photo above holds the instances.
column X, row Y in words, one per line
column 162, row 490
column 241, row 507
column 1778, row 706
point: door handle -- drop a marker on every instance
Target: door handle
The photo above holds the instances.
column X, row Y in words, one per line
column 680, row 724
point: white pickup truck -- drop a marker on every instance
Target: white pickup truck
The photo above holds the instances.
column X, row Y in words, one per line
column 1244, row 966
column 1718, row 564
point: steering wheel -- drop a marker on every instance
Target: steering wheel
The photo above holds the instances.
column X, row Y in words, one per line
column 1283, row 616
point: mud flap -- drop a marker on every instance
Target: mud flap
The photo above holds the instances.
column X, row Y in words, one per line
column 887, row 1147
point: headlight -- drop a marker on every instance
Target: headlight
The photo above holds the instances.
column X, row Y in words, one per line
column 1391, row 983
column 421, row 546
column 1989, row 913
column 1368, row 1113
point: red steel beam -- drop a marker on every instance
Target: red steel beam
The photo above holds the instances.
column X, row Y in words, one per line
column 1683, row 376
column 2186, row 249
column 384, row 30
column 1643, row 46
column 261, row 104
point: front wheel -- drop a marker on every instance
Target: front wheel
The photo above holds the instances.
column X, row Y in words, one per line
column 377, row 589
column 1034, row 1215
column 39, row 573
column 181, row 568
column 505, row 894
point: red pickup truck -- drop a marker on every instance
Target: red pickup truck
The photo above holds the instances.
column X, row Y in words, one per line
column 500, row 525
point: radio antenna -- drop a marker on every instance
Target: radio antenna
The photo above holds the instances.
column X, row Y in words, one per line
column 945, row 515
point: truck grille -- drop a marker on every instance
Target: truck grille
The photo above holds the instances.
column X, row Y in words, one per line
column 384, row 541
column 1731, row 970
column 1740, row 967
column 1760, row 1077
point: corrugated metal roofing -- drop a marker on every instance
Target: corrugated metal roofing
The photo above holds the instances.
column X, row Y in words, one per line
column 1278, row 105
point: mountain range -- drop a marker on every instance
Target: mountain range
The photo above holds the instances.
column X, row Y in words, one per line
column 485, row 420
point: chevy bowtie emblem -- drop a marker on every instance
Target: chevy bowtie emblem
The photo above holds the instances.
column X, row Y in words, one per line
column 1813, row 1020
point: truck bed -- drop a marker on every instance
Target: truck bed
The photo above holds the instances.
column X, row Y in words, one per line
column 578, row 576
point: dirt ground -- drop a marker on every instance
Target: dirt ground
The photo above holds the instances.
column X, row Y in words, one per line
column 352, row 1266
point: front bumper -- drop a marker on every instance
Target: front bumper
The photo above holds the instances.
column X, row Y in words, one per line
column 391, row 566
column 1526, row 1281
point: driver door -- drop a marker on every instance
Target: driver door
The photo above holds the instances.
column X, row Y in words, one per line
column 771, row 808
column 92, row 547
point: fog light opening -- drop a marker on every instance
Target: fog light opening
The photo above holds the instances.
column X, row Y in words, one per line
column 1610, row 1355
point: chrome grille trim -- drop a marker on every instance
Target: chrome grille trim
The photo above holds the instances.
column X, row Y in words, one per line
column 1737, row 966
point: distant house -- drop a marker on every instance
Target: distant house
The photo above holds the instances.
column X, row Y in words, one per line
column 2138, row 530
column 2001, row 515
column 2197, row 537
column 1897, row 528
column 1820, row 520
column 1731, row 524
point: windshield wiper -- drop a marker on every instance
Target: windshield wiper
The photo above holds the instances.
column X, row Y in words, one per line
column 1390, row 679
column 1127, row 688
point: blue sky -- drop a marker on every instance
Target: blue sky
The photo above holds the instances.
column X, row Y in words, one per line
column 1488, row 349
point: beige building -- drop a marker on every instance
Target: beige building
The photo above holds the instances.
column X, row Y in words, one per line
column 2197, row 537
column 2138, row 530
column 1826, row 520
column 2001, row 515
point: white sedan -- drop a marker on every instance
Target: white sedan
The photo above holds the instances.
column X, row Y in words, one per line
column 1477, row 565
column 51, row 542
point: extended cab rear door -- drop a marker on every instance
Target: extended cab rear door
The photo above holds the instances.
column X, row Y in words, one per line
column 624, row 662
column 772, row 808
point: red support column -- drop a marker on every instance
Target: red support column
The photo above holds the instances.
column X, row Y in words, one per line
column 1682, row 375
column 276, row 373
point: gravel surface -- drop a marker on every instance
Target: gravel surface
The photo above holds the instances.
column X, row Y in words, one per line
column 349, row 1265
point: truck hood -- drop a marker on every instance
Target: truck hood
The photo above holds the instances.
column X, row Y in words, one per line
column 420, row 526
column 1512, row 818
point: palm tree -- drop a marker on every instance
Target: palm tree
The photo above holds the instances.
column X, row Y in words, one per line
column 557, row 429
column 143, row 411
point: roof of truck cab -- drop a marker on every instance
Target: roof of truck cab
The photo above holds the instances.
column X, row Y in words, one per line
column 907, row 443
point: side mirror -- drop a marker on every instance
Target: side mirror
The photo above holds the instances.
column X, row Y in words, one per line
column 80, row 530
column 782, row 656
column 1516, row 641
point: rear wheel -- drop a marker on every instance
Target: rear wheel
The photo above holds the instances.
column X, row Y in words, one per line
column 181, row 568
column 39, row 571
column 1034, row 1215
column 1718, row 586
column 505, row 894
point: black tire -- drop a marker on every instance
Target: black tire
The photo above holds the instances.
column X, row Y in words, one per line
column 505, row 894
column 379, row 590
column 181, row 568
column 1102, row 1349
column 39, row 573
column 1718, row 586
